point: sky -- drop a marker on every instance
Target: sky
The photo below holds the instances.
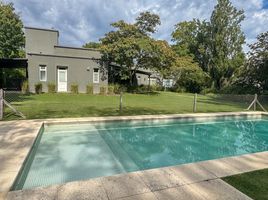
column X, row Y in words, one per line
column 81, row 21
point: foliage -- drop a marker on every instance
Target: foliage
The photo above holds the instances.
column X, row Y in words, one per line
column 103, row 90
column 188, row 75
column 216, row 45
column 89, row 89
column 227, row 40
column 131, row 47
column 253, row 77
column 147, row 22
column 110, row 89
column 38, row 88
column 11, row 34
column 92, row 45
column 25, row 87
column 51, row 87
column 74, row 88
column 119, row 88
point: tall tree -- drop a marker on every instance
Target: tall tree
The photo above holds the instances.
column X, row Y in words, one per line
column 131, row 47
column 216, row 45
column 11, row 34
column 253, row 77
column 227, row 39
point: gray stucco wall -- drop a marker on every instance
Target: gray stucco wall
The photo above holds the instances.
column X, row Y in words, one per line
column 40, row 41
column 77, row 71
column 77, row 52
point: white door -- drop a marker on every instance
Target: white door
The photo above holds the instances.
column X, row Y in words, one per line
column 62, row 80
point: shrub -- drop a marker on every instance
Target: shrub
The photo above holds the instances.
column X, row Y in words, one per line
column 110, row 89
column 74, row 88
column 193, row 79
column 38, row 88
column 103, row 90
column 25, row 87
column 157, row 87
column 119, row 88
column 89, row 89
column 51, row 87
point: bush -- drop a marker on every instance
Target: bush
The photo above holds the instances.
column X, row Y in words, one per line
column 157, row 87
column 193, row 79
column 51, row 87
column 38, row 88
column 89, row 89
column 119, row 88
column 74, row 88
column 111, row 89
column 103, row 90
column 25, row 87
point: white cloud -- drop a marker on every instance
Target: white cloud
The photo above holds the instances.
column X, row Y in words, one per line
column 80, row 21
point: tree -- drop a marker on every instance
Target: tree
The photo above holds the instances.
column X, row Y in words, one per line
column 11, row 40
column 253, row 77
column 147, row 22
column 92, row 45
column 216, row 45
column 192, row 39
column 188, row 76
column 131, row 47
column 11, row 34
column 227, row 39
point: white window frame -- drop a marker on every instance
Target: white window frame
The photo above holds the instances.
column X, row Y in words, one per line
column 42, row 68
column 96, row 74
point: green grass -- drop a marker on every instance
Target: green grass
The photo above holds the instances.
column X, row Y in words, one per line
column 83, row 105
column 254, row 184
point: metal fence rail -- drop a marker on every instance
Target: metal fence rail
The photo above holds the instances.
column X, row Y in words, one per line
column 16, row 105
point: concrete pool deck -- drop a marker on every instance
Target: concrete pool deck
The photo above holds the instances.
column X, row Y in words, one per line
column 190, row 181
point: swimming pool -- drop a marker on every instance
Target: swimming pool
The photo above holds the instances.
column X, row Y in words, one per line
column 70, row 152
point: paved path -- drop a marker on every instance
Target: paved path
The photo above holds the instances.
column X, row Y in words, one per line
column 16, row 140
column 191, row 181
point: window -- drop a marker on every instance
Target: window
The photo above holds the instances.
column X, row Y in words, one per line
column 42, row 73
column 96, row 76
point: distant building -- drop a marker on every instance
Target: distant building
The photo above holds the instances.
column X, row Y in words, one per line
column 48, row 62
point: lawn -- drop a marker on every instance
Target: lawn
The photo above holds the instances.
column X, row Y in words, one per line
column 83, row 105
column 254, row 184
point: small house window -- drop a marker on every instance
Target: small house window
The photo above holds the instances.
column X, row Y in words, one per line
column 42, row 73
column 96, row 76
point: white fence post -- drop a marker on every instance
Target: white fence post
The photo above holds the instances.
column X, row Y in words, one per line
column 195, row 102
column 1, row 104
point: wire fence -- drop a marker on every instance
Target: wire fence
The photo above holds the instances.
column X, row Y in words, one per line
column 59, row 105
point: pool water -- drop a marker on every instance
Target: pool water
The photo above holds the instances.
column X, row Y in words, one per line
column 82, row 151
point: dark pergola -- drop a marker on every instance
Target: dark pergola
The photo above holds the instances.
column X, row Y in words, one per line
column 12, row 63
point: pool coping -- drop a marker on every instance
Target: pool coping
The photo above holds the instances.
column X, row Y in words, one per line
column 34, row 134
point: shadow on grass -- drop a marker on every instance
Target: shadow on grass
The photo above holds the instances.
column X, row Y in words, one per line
column 90, row 111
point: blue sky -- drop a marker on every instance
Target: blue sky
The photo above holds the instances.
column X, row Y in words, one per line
column 80, row 21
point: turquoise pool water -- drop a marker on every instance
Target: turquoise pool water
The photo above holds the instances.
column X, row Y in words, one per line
column 82, row 151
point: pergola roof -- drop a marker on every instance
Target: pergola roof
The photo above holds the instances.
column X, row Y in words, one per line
column 13, row 63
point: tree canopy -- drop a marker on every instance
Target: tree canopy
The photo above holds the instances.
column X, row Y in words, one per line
column 216, row 44
column 11, row 34
column 132, row 48
column 92, row 45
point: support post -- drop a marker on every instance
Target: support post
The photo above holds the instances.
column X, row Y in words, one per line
column 121, row 102
column 1, row 104
column 255, row 101
column 195, row 102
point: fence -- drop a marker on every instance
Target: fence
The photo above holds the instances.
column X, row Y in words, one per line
column 16, row 105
